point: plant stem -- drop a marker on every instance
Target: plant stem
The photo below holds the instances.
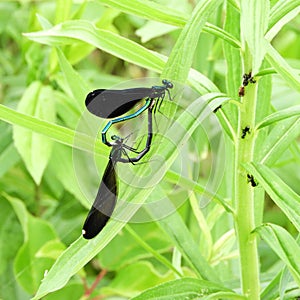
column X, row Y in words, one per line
column 99, row 277
column 244, row 193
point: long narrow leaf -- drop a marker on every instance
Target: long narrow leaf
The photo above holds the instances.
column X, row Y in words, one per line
column 284, row 246
column 224, row 35
column 156, row 12
column 234, row 73
column 69, row 31
column 178, row 232
column 197, row 188
column 254, row 22
column 279, row 115
column 181, row 57
column 186, row 288
column 290, row 75
column 149, row 10
column 56, row 132
column 271, row 292
column 77, row 85
column 279, row 139
column 35, row 149
column 281, row 13
column 284, row 197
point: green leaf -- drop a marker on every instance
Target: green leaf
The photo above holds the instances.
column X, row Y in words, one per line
column 289, row 74
column 63, row 10
column 284, row 197
column 65, row 171
column 114, row 44
column 189, row 184
column 153, row 29
column 69, row 262
column 29, row 269
column 280, row 138
column 9, row 155
column 11, row 239
column 44, row 22
column 233, row 76
column 158, row 14
column 271, row 292
column 149, row 10
column 8, row 158
column 254, row 22
column 150, row 235
column 203, row 226
column 10, row 289
column 77, row 86
column 181, row 57
column 265, row 71
column 224, row 35
column 73, row 290
column 21, row 212
column 281, row 13
column 285, row 279
column 264, row 94
column 125, row 282
column 279, row 115
column 185, row 288
column 51, row 249
column 35, row 149
column 145, row 245
column 222, row 249
column 65, row 109
column 178, row 232
column 59, row 133
column 284, row 246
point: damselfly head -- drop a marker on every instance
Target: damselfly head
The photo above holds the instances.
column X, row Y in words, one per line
column 117, row 139
column 168, row 84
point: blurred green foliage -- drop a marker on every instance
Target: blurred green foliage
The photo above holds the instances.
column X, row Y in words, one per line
column 47, row 73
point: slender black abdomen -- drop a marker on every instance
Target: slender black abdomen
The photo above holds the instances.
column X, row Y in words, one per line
column 103, row 205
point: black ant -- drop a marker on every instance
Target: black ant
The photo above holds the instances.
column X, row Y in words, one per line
column 247, row 78
column 251, row 180
column 245, row 131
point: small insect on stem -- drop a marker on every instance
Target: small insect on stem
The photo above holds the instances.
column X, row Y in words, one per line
column 247, row 78
column 250, row 179
column 241, row 91
column 245, row 131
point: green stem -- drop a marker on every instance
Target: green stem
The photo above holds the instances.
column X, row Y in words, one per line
column 244, row 193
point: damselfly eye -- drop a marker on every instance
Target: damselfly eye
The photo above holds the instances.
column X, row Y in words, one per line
column 168, row 84
column 116, row 138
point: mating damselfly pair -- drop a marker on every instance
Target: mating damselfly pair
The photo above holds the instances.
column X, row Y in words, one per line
column 113, row 104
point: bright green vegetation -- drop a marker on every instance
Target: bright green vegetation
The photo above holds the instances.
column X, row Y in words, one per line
column 243, row 243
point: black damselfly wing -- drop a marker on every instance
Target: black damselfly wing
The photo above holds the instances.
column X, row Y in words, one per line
column 103, row 205
column 113, row 103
